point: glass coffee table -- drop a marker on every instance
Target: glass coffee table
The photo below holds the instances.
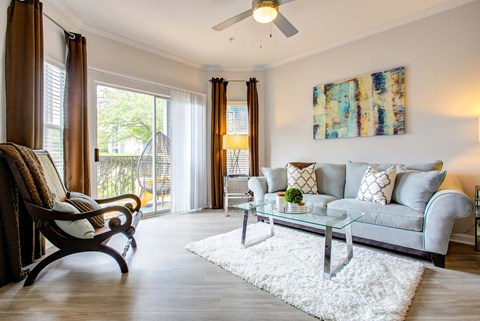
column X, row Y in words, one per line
column 316, row 216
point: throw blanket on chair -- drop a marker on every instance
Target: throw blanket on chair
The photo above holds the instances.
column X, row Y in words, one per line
column 20, row 241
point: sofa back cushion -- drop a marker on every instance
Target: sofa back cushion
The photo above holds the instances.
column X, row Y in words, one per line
column 415, row 188
column 356, row 170
column 276, row 178
column 330, row 179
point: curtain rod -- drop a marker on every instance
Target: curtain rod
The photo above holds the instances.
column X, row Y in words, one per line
column 72, row 35
column 237, row 80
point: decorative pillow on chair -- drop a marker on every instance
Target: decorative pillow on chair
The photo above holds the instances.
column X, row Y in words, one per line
column 85, row 203
column 377, row 186
column 81, row 229
column 303, row 179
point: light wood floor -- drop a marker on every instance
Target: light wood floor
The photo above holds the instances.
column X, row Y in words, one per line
column 167, row 282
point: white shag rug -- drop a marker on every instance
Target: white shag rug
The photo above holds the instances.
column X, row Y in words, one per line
column 373, row 286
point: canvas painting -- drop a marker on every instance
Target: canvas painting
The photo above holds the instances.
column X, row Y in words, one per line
column 365, row 106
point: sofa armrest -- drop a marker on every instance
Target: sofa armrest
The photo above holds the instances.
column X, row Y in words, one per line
column 258, row 185
column 442, row 210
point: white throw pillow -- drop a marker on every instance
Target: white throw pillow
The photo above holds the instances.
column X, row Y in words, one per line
column 81, row 229
column 304, row 179
column 377, row 186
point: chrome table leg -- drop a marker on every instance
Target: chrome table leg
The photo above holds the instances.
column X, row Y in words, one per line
column 328, row 253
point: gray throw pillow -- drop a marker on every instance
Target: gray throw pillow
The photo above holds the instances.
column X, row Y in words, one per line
column 415, row 188
column 330, row 179
column 353, row 177
column 276, row 178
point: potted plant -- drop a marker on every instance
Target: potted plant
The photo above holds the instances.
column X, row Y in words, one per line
column 294, row 197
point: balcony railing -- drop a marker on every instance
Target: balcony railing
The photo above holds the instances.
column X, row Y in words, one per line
column 117, row 175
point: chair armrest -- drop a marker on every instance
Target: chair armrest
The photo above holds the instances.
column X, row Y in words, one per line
column 258, row 185
column 442, row 210
column 40, row 214
column 121, row 197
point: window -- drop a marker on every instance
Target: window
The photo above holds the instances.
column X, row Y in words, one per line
column 54, row 85
column 237, row 124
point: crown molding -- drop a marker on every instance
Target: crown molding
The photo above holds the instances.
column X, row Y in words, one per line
column 139, row 45
column 219, row 68
column 390, row 25
column 64, row 10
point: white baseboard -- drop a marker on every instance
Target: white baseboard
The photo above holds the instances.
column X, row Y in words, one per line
column 463, row 238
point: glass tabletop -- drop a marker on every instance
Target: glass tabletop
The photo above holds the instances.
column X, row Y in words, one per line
column 317, row 215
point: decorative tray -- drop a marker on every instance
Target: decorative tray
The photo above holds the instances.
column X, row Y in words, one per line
column 294, row 208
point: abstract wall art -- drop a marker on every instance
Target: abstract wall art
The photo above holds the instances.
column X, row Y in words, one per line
column 364, row 106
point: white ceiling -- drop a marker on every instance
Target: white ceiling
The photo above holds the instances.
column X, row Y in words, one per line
column 182, row 29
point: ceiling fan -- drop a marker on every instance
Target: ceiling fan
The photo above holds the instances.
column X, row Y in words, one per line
column 263, row 11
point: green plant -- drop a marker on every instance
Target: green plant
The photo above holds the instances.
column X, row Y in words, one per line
column 293, row 195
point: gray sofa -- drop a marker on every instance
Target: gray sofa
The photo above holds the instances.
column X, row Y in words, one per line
column 422, row 227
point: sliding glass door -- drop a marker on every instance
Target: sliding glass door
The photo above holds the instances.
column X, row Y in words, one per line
column 133, row 139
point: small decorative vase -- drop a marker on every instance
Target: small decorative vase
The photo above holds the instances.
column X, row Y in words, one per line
column 301, row 207
column 280, row 202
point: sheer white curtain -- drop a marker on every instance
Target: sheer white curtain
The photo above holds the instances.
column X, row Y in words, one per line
column 189, row 151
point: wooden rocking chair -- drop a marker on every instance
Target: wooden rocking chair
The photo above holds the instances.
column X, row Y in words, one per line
column 125, row 223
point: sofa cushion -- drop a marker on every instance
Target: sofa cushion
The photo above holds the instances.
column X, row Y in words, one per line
column 330, row 179
column 303, row 179
column 377, row 186
column 414, row 189
column 355, row 171
column 317, row 199
column 81, row 229
column 393, row 215
column 276, row 178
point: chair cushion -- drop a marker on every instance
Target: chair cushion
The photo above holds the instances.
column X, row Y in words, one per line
column 414, row 189
column 316, row 199
column 392, row 215
column 330, row 179
column 276, row 178
column 377, row 186
column 52, row 177
column 304, row 179
column 85, row 203
column 81, row 229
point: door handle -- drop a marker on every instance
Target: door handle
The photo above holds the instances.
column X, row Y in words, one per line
column 96, row 156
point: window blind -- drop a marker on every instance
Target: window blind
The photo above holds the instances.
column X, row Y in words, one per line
column 54, row 85
column 237, row 124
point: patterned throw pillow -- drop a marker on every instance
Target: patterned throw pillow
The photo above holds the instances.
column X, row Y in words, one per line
column 377, row 186
column 303, row 179
column 85, row 203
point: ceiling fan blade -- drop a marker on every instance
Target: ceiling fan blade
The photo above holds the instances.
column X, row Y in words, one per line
column 280, row 2
column 230, row 22
column 285, row 26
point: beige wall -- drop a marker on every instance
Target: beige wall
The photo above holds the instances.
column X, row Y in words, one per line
column 441, row 55
column 108, row 55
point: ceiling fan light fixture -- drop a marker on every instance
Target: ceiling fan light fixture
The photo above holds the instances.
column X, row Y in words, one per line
column 265, row 11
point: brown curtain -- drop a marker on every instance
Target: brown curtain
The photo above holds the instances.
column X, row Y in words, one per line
column 24, row 73
column 219, row 128
column 75, row 132
column 252, row 105
column 20, row 241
